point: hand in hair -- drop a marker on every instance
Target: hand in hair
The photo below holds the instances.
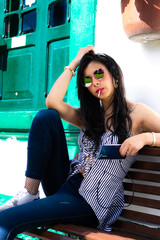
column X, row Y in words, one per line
column 82, row 52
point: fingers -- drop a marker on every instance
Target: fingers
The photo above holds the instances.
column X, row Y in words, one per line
column 127, row 152
column 85, row 50
column 131, row 146
column 124, row 151
column 91, row 48
column 82, row 52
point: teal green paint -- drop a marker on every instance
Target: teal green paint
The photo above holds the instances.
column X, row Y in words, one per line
column 20, row 120
column 26, row 237
column 25, row 81
column 83, row 15
column 26, row 96
column 2, row 42
column 58, row 58
column 4, row 198
column 1, row 17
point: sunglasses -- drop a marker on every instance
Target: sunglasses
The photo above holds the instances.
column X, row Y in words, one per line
column 98, row 74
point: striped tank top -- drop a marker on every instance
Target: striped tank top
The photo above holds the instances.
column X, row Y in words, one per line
column 102, row 186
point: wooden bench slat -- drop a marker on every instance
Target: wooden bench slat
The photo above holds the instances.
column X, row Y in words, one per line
column 144, row 176
column 132, row 224
column 154, row 190
column 94, row 234
column 145, row 202
column 141, row 216
column 150, row 151
column 46, row 235
column 137, row 228
column 153, row 166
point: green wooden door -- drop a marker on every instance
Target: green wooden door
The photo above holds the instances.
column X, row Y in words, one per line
column 37, row 39
column 31, row 30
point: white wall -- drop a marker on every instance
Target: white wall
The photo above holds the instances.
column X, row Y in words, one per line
column 140, row 62
column 13, row 156
column 13, row 160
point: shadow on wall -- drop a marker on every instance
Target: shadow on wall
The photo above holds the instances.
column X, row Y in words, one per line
column 149, row 11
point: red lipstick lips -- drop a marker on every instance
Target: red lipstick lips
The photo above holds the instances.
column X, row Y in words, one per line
column 99, row 91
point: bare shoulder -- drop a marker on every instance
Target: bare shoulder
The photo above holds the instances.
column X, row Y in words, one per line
column 139, row 108
column 144, row 118
column 143, row 110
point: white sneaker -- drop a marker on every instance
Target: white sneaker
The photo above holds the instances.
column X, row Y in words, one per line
column 20, row 198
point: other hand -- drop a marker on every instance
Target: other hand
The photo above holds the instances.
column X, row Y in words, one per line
column 132, row 145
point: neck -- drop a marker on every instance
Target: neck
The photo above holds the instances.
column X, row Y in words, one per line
column 108, row 106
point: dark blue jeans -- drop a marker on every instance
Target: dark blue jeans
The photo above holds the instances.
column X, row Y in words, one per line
column 48, row 161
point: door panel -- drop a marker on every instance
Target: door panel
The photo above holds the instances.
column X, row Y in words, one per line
column 58, row 58
column 18, row 77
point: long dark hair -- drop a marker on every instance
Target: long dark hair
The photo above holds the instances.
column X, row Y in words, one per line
column 92, row 114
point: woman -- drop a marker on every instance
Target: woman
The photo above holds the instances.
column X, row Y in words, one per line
column 92, row 193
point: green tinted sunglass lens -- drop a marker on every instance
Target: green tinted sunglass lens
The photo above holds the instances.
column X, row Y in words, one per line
column 99, row 73
column 87, row 81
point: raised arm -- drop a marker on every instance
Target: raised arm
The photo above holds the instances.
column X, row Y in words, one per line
column 58, row 91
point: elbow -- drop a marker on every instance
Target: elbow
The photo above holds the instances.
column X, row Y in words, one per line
column 47, row 105
column 48, row 102
column 51, row 103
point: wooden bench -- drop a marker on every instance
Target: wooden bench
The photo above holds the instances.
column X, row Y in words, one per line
column 141, row 220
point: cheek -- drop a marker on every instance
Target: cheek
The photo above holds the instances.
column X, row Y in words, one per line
column 109, row 84
column 91, row 90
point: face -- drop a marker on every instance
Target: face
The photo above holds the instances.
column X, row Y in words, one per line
column 101, row 88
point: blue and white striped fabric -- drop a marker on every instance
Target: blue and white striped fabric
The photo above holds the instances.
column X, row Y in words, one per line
column 102, row 185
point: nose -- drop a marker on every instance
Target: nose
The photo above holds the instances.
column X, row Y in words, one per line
column 95, row 81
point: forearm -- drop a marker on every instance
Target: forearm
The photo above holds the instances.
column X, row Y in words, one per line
column 59, row 89
column 133, row 144
column 152, row 139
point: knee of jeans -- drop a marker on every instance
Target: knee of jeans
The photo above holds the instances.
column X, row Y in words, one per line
column 46, row 115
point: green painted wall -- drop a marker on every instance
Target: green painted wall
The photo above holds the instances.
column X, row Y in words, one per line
column 36, row 59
